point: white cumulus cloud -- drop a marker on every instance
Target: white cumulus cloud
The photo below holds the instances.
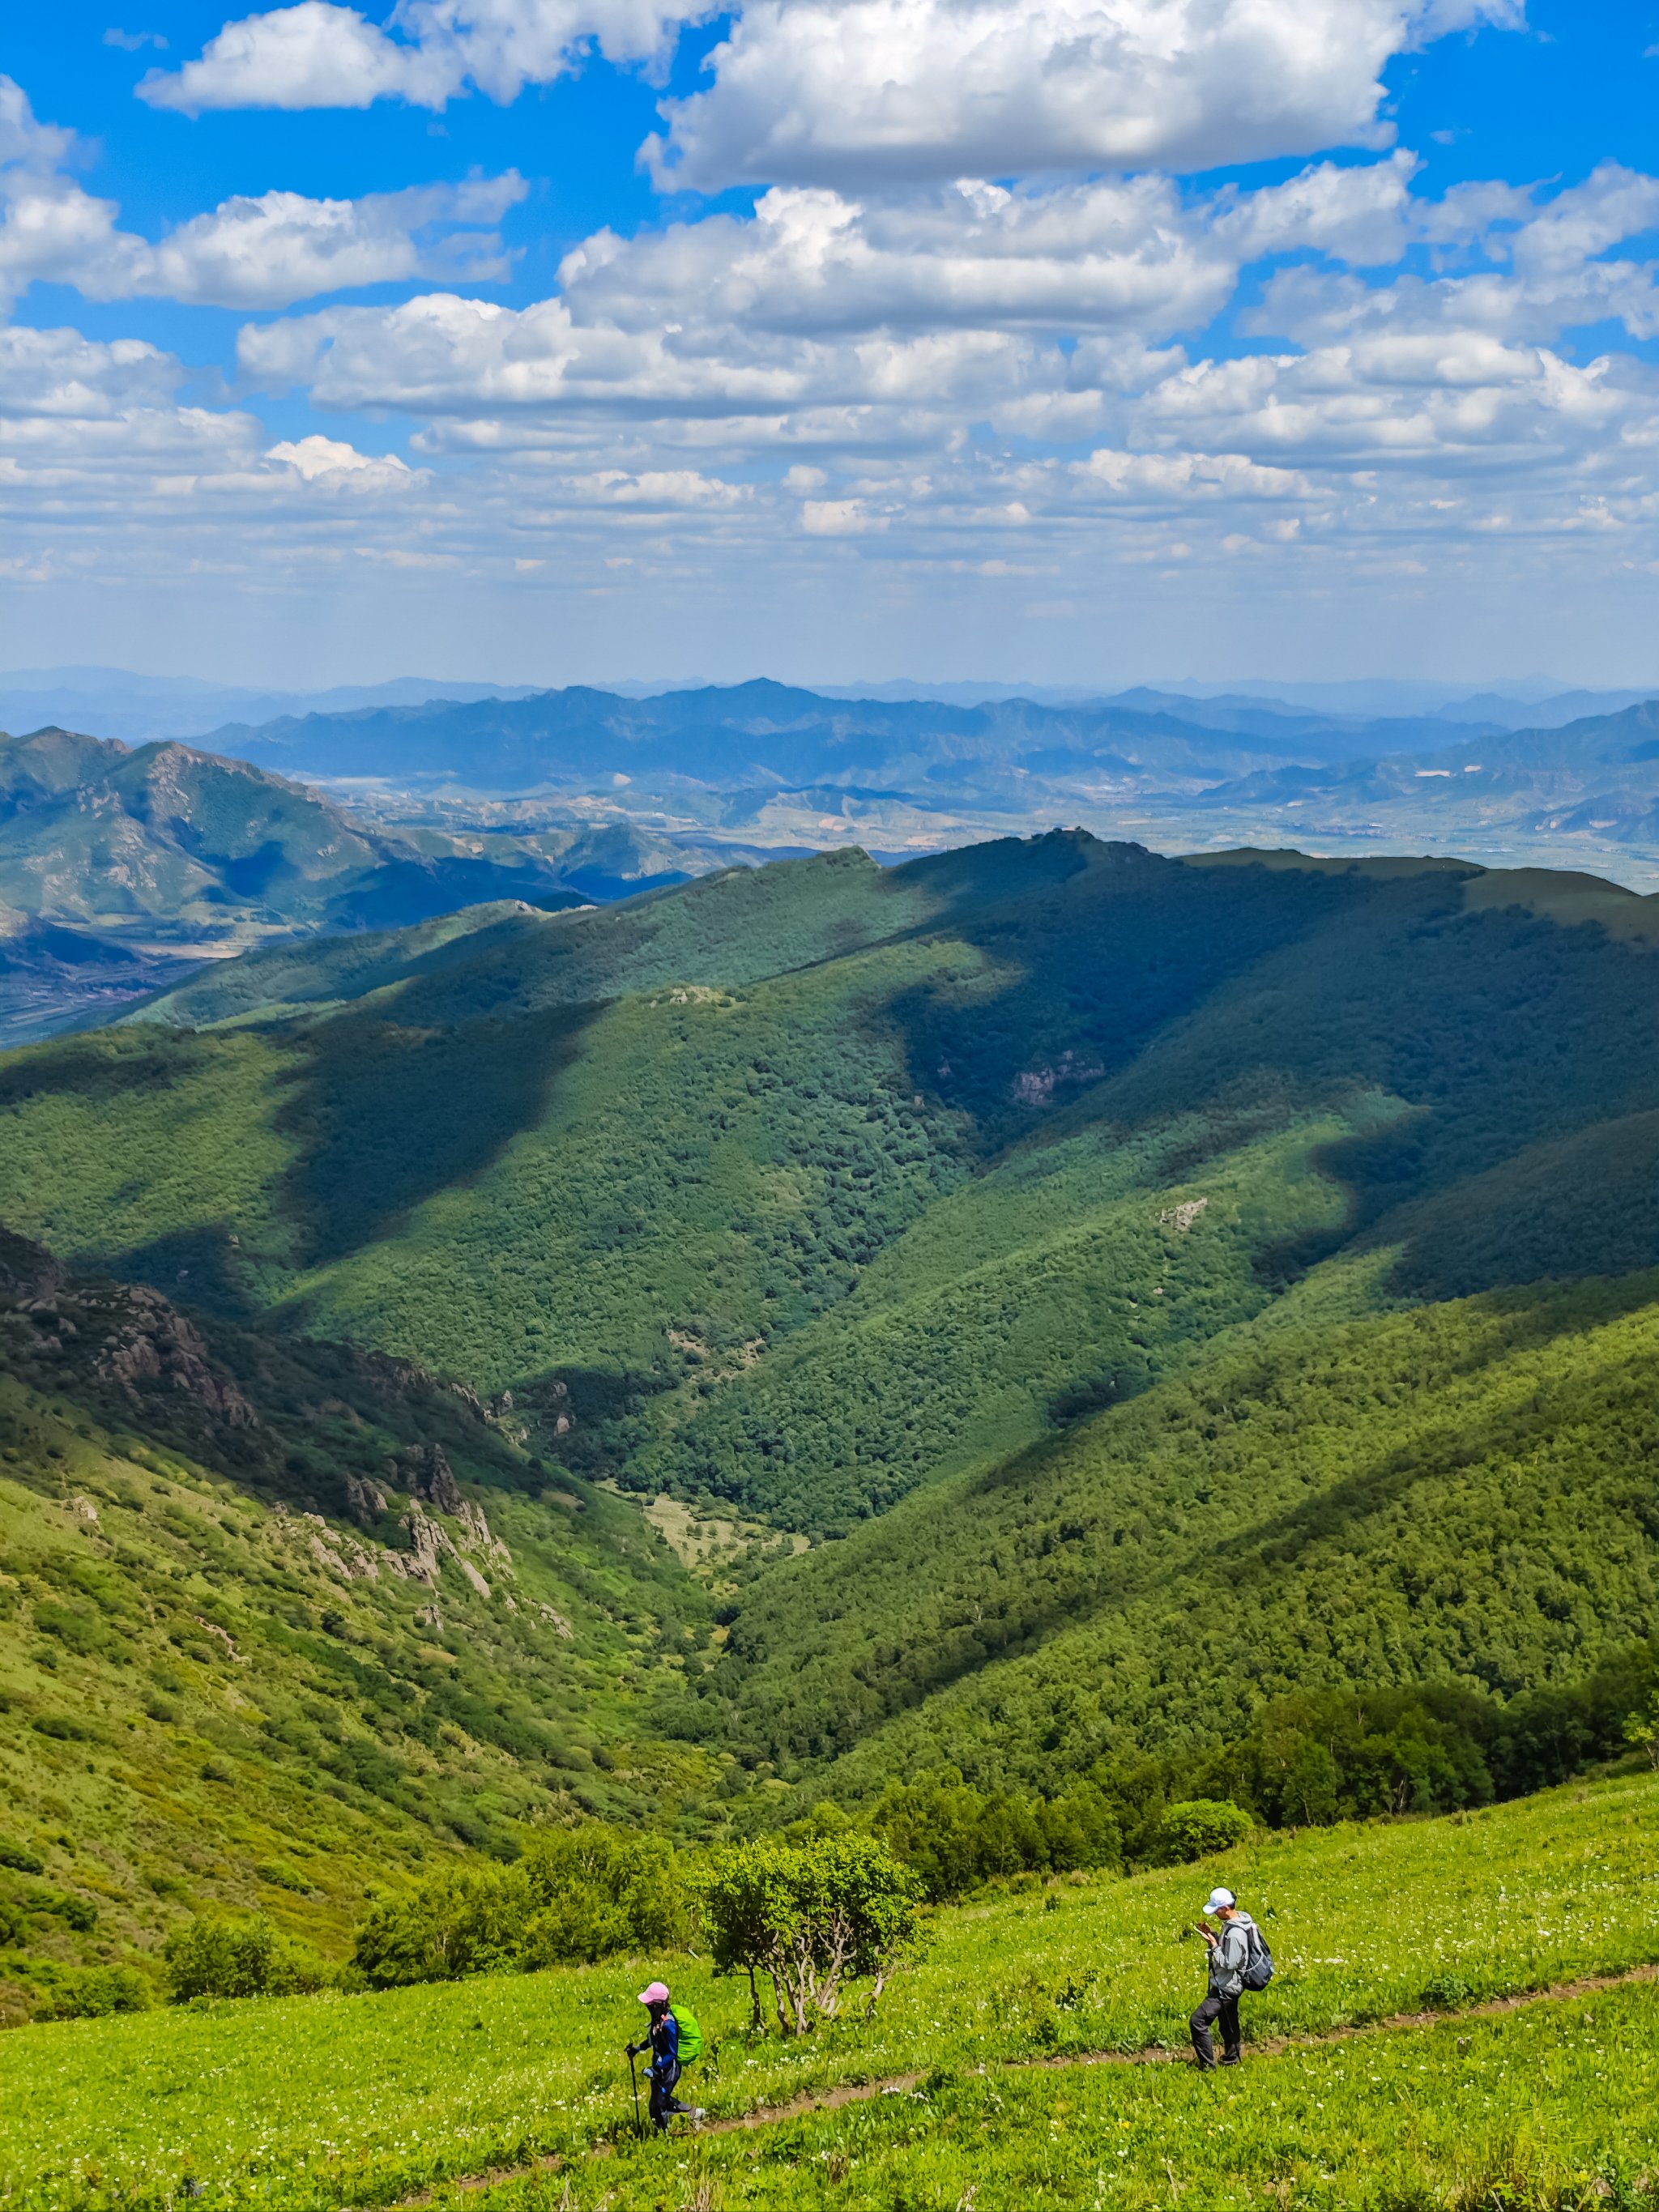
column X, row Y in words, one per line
column 320, row 55
column 1551, row 272
column 331, row 463
column 1161, row 479
column 1117, row 253
column 817, row 261
column 847, row 92
column 247, row 252
column 441, row 354
column 1444, row 407
column 839, row 518
column 840, row 91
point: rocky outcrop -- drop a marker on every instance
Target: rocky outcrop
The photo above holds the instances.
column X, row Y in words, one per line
column 427, row 1544
column 424, row 1472
column 149, row 1340
column 365, row 1501
column 430, row 1544
column 1181, row 1217
column 340, row 1555
column 1036, row 1086
column 405, row 1375
column 471, row 1518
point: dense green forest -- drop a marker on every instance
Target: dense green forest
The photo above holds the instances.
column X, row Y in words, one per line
column 1461, row 1492
column 1068, row 1305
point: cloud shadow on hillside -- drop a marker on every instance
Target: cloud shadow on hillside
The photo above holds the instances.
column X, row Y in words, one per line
column 384, row 1117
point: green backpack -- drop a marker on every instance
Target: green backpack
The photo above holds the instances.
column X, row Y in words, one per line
column 690, row 2035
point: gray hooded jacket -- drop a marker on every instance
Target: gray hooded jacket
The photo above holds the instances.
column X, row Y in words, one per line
column 1230, row 1956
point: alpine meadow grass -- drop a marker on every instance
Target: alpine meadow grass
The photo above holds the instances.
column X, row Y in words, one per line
column 306, row 2104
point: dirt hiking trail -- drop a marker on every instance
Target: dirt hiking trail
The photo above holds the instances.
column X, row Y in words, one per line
column 812, row 2101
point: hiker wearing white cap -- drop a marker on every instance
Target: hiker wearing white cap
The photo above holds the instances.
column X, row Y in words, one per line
column 1239, row 1959
column 663, row 2040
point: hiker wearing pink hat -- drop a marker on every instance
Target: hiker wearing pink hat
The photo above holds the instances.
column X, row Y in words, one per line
column 663, row 2040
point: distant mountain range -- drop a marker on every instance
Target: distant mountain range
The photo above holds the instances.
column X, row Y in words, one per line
column 1600, row 774
column 782, row 766
column 118, row 703
column 116, row 866
column 136, row 708
column 184, row 843
column 1007, row 751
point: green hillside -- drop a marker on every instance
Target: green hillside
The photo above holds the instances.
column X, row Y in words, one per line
column 307, row 2104
column 1455, row 1493
column 735, row 927
column 1060, row 1281
column 1156, row 1291
column 119, row 870
column 166, row 836
column 282, row 1622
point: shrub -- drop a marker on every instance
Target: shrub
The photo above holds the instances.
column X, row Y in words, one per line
column 575, row 1896
column 238, row 1959
column 599, row 1890
column 77, row 1627
column 281, row 1876
column 77, row 1912
column 1641, row 1729
column 25, row 1861
column 1199, row 1828
column 955, row 1838
column 460, row 1922
column 93, row 1992
column 1446, row 1993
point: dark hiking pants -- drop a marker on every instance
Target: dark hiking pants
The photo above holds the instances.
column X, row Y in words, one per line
column 663, row 2103
column 1214, row 2008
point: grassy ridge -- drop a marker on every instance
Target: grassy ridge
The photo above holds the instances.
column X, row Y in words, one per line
column 730, row 928
column 316, row 2102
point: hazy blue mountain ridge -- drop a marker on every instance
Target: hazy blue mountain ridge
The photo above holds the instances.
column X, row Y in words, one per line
column 761, row 729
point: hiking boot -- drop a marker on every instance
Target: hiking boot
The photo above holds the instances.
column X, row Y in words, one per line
column 1232, row 2058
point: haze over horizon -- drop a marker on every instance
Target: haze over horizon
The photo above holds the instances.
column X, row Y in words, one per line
column 1369, row 693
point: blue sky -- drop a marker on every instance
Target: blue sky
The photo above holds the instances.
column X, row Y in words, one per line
column 1077, row 340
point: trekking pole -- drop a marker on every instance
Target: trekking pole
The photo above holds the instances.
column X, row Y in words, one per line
column 633, row 2075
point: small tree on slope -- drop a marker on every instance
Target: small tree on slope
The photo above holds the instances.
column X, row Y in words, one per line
column 812, row 1917
column 1642, row 1730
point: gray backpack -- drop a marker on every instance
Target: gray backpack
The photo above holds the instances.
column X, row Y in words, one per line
column 1258, row 1959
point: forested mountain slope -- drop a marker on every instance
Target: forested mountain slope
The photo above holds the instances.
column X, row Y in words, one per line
column 683, row 1114
column 1457, row 1493
column 1067, row 1233
column 279, row 1620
